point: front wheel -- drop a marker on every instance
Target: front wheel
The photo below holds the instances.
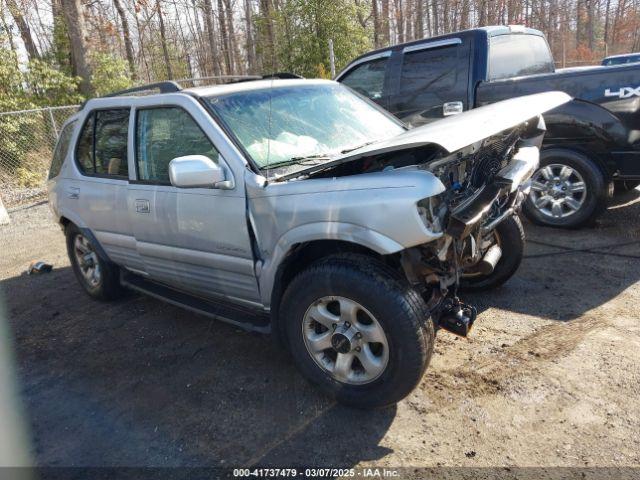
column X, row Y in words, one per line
column 567, row 191
column 357, row 330
column 509, row 236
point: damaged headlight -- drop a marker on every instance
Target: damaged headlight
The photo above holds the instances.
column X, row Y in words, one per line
column 432, row 211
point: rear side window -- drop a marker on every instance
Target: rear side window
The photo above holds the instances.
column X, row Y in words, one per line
column 102, row 145
column 368, row 78
column 431, row 68
column 163, row 134
column 62, row 147
column 518, row 55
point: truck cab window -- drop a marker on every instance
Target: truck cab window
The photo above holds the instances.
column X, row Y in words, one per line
column 518, row 55
column 368, row 78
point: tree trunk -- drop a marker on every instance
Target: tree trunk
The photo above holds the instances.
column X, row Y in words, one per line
column 23, row 27
column 232, row 44
column 163, row 40
column 126, row 34
column 224, row 36
column 211, row 36
column 419, row 25
column 386, row 33
column 249, row 37
column 74, row 18
column 376, row 23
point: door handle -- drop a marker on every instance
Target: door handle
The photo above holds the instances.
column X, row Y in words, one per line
column 73, row 193
column 142, row 206
column 452, row 108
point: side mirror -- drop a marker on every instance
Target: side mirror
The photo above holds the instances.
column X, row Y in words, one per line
column 197, row 171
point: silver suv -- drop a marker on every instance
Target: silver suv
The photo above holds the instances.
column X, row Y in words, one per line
column 300, row 208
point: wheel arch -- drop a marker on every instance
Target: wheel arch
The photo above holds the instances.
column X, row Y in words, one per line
column 300, row 256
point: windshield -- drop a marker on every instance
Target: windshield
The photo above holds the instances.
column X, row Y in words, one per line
column 302, row 123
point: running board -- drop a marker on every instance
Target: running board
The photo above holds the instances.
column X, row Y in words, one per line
column 234, row 314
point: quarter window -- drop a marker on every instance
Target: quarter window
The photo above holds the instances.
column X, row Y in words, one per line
column 368, row 78
column 102, row 146
column 62, row 147
column 163, row 134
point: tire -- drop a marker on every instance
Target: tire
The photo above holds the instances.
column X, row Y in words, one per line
column 103, row 286
column 592, row 200
column 623, row 186
column 380, row 294
column 511, row 239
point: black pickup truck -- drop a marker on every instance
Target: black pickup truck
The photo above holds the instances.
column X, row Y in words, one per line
column 591, row 143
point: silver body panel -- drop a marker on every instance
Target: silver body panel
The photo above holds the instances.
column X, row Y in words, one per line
column 198, row 240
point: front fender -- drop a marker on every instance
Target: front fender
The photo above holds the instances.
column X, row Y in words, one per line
column 309, row 232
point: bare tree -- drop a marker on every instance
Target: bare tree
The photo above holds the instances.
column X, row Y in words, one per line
column 25, row 32
column 211, row 35
column 126, row 34
column 163, row 41
column 74, row 18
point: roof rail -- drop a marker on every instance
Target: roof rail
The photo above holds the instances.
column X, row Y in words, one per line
column 281, row 75
column 164, row 87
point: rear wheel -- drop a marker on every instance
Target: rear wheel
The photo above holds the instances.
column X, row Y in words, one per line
column 568, row 190
column 509, row 236
column 357, row 330
column 98, row 277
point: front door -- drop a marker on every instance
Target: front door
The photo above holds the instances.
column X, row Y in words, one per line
column 194, row 239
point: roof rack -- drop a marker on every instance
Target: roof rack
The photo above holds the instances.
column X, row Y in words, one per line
column 278, row 75
column 281, row 75
column 164, row 87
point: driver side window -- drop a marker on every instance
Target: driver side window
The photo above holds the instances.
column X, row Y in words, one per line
column 368, row 79
column 163, row 134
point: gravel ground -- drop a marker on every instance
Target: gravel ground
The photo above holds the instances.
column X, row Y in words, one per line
column 549, row 377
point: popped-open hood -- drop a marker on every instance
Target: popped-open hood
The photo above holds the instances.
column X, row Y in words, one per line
column 466, row 128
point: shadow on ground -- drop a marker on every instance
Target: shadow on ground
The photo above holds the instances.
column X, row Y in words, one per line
column 566, row 273
column 141, row 383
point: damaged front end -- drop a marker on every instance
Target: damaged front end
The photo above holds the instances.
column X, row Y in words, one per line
column 485, row 184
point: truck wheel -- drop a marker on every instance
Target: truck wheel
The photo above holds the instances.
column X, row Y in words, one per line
column 357, row 330
column 99, row 278
column 622, row 186
column 567, row 191
column 510, row 237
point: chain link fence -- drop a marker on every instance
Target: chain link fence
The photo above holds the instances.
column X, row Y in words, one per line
column 28, row 137
column 27, row 140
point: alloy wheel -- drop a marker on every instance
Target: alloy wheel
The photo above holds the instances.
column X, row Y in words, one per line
column 345, row 340
column 558, row 191
column 87, row 260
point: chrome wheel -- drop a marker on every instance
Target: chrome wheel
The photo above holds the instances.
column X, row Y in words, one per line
column 87, row 260
column 558, row 191
column 345, row 340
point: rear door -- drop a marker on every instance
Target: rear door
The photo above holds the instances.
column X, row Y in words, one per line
column 430, row 81
column 194, row 239
column 99, row 194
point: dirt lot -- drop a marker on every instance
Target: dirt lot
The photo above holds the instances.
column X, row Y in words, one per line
column 550, row 376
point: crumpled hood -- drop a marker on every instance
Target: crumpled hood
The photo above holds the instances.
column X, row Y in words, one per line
column 464, row 129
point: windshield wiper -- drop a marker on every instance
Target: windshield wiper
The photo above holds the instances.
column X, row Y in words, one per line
column 351, row 149
column 297, row 160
